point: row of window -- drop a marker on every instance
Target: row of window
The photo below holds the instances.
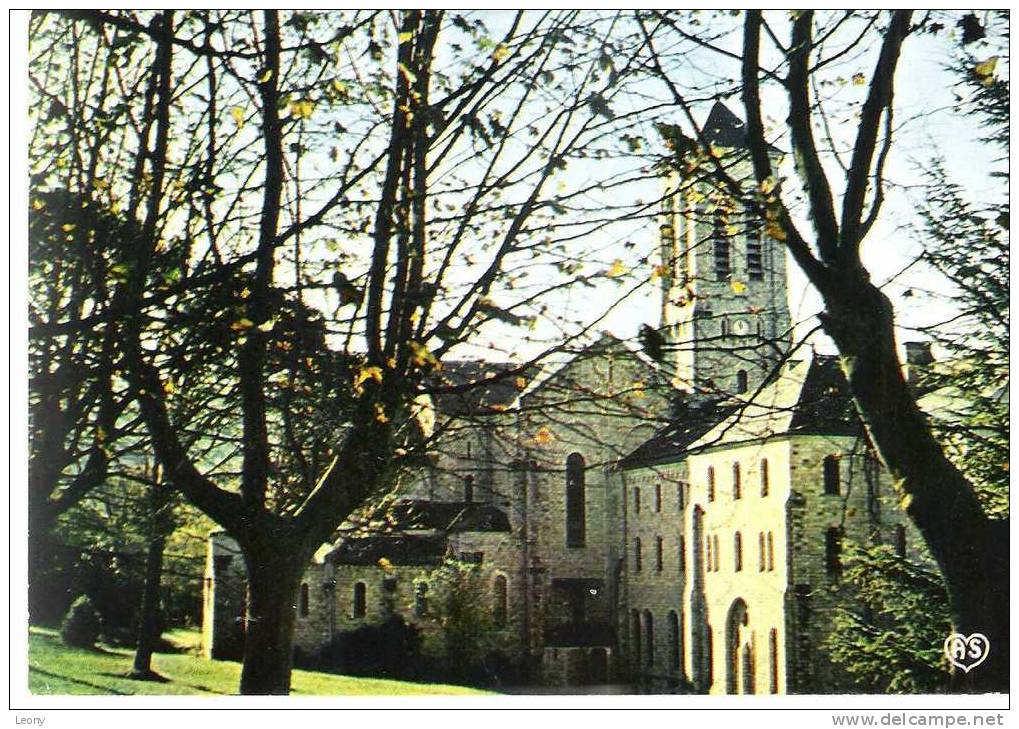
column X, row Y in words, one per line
column 500, row 600
column 722, row 248
column 764, row 480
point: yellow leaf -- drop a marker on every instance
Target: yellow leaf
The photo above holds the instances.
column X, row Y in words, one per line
column 404, row 37
column 774, row 230
column 302, row 108
column 385, row 564
column 168, row 387
column 859, row 79
column 985, row 70
column 500, row 53
column 242, row 324
column 238, row 116
column 364, row 374
column 659, row 271
column 265, row 76
column 67, row 227
column 543, row 436
column 616, row 270
column 38, row 204
column 738, row 287
column 521, row 383
column 380, row 414
column 421, row 356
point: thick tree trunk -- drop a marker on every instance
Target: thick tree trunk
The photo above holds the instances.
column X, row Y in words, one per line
column 148, row 624
column 971, row 550
column 273, row 579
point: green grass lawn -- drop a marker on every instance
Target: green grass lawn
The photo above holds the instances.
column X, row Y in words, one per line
column 53, row 668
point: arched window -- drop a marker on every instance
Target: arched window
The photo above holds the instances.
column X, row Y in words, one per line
column 649, row 638
column 636, row 499
column 682, row 553
column 680, row 497
column 761, row 564
column 771, row 552
column 711, row 483
column 468, row 489
column 737, row 485
column 658, row 498
column 674, row 654
column 421, row 599
column 900, row 540
column 635, row 636
column 500, row 597
column 831, row 475
column 765, row 477
column 833, row 550
column 717, row 551
column 737, row 550
column 638, row 557
column 773, row 660
column 304, row 601
column 576, row 508
column 742, row 382
column 360, row 600
column 659, row 553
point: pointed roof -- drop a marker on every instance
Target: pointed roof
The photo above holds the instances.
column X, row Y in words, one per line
column 725, row 129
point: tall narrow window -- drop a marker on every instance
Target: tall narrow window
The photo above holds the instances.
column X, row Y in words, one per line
column 771, row 552
column 674, row 654
column 833, row 550
column 737, row 551
column 636, row 499
column 831, row 475
column 765, row 477
column 421, row 599
column 360, row 600
column 761, row 563
column 649, row 638
column 468, row 489
column 635, row 636
column 711, row 483
column 773, row 660
column 900, row 540
column 500, row 599
column 682, row 553
column 737, row 485
column 658, row 498
column 576, row 517
column 742, row 382
column 680, row 497
column 638, row 557
column 720, row 247
column 304, row 601
column 718, row 553
column 707, row 550
column 755, row 255
column 659, row 553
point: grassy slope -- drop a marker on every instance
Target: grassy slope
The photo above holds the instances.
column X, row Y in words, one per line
column 56, row 669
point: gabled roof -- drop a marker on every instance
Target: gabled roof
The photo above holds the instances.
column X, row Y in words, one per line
column 692, row 418
column 724, row 129
column 806, row 398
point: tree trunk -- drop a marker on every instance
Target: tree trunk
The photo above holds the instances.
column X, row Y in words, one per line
column 273, row 579
column 148, row 627
column 971, row 550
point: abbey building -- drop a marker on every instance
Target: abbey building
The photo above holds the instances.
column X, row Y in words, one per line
column 671, row 522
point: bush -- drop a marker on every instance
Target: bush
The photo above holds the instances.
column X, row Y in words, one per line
column 80, row 628
column 388, row 650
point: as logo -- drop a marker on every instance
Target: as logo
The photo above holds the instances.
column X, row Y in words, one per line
column 967, row 652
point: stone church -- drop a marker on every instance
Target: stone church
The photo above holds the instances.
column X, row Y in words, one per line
column 671, row 522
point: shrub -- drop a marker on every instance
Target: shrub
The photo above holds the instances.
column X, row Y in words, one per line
column 81, row 625
column 387, row 650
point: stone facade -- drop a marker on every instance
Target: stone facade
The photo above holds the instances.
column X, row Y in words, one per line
column 675, row 525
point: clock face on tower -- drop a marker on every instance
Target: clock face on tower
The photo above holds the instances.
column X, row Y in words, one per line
column 740, row 326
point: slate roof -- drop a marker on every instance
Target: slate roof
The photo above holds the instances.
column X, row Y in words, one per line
column 490, row 385
column 806, row 398
column 724, row 129
column 399, row 549
column 692, row 418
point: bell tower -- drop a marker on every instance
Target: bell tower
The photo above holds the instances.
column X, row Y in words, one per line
column 724, row 314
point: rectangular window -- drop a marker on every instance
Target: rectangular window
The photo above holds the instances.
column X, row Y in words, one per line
column 755, row 255
column 682, row 553
column 638, row 556
column 659, row 553
column 721, row 249
column 658, row 498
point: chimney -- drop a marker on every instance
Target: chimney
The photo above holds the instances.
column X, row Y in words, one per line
column 918, row 353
